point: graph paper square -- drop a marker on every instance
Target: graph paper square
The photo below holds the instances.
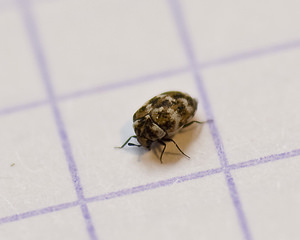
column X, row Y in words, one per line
column 98, row 61
column 98, row 160
column 33, row 171
column 256, row 105
column 220, row 28
column 167, row 213
column 6, row 5
column 66, row 224
column 17, row 62
column 114, row 40
column 271, row 192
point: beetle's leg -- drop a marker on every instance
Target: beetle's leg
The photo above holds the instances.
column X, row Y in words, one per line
column 190, row 123
column 162, row 143
column 127, row 142
column 171, row 140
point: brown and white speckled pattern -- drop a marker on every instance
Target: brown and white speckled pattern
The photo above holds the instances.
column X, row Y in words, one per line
column 163, row 116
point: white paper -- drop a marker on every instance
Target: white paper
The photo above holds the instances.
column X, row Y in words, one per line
column 73, row 73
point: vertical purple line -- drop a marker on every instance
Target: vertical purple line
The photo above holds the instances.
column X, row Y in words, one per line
column 187, row 45
column 32, row 31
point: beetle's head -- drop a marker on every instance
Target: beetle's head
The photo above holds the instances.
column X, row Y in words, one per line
column 144, row 142
column 147, row 131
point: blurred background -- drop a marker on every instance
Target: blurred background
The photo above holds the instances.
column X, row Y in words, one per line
column 72, row 74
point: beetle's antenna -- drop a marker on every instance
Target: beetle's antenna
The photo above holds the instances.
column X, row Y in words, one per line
column 129, row 144
column 136, row 145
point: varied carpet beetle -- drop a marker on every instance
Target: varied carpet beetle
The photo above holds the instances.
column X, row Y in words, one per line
column 160, row 118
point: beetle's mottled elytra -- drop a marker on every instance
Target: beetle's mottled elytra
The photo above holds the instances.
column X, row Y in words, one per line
column 160, row 118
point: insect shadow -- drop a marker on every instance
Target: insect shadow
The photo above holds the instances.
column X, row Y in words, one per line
column 177, row 146
column 184, row 139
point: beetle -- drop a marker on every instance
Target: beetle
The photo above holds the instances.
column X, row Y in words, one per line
column 160, row 118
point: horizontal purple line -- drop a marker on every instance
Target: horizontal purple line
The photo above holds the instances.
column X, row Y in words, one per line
column 124, row 83
column 266, row 159
column 38, row 212
column 154, row 185
column 155, row 76
column 250, row 54
column 22, row 107
column 150, row 186
column 111, row 195
column 96, row 89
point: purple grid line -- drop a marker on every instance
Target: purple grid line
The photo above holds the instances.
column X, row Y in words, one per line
column 187, row 45
column 156, row 76
column 152, row 186
column 270, row 158
column 124, row 83
column 169, row 182
column 251, row 54
column 193, row 176
column 37, row 212
column 41, row 62
column 18, row 108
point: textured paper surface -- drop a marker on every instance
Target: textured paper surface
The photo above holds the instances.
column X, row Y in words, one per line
column 72, row 74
